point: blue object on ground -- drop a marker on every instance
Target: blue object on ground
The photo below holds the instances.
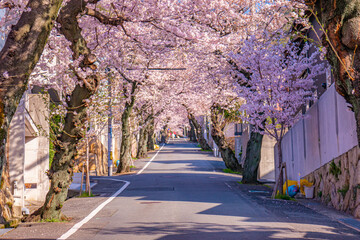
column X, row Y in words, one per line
column 292, row 190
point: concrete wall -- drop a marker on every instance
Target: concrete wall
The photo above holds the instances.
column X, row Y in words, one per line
column 242, row 142
column 29, row 149
column 16, row 159
column 327, row 131
column 266, row 166
column 37, row 149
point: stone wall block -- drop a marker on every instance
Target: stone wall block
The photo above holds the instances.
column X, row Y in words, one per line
column 357, row 201
column 346, row 201
column 356, row 212
column 357, row 173
column 354, row 155
column 341, row 192
column 334, row 196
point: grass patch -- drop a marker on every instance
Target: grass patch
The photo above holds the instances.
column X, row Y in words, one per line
column 52, row 220
column 267, row 186
column 132, row 166
column 198, row 146
column 284, row 197
column 86, row 194
column 239, row 182
column 206, row 150
column 226, row 170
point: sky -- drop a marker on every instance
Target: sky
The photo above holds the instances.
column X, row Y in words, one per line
column 2, row 42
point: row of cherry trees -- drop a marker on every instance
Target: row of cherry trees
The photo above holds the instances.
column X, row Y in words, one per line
column 165, row 61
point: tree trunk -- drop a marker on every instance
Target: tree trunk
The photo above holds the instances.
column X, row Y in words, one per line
column 142, row 144
column 125, row 151
column 61, row 170
column 192, row 134
column 281, row 177
column 151, row 137
column 6, row 196
column 164, row 135
column 199, row 132
column 341, row 22
column 252, row 158
column 218, row 135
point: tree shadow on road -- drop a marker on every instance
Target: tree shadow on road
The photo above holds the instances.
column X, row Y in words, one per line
column 191, row 230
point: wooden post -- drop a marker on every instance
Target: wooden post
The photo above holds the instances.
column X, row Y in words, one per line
column 283, row 165
column 96, row 164
column 276, row 183
column 286, row 179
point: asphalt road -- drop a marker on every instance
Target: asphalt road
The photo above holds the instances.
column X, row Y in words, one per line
column 183, row 195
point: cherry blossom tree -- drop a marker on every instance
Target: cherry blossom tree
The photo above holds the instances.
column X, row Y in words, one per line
column 27, row 25
column 95, row 35
column 79, row 22
column 276, row 79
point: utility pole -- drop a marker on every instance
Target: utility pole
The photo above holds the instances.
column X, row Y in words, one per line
column 87, row 188
column 110, row 161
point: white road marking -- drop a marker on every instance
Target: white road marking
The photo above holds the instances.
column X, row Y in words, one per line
column 95, row 211
column 228, row 186
column 101, row 206
column 139, row 172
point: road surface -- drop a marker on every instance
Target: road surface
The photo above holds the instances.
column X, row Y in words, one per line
column 182, row 195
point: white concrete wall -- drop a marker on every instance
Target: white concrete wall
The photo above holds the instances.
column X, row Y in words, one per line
column 29, row 149
column 327, row 131
column 16, row 159
column 37, row 148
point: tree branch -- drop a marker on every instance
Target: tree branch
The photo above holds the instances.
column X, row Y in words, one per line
column 105, row 19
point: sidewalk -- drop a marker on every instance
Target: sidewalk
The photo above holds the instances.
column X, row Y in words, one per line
column 262, row 195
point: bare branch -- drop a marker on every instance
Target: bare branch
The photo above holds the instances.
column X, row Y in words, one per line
column 105, row 19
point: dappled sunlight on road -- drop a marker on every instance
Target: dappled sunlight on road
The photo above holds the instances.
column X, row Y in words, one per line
column 213, row 230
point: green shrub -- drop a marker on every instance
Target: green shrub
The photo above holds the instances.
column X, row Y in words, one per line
column 283, row 197
column 335, row 170
column 86, row 194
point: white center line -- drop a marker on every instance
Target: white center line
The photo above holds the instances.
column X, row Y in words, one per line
column 139, row 172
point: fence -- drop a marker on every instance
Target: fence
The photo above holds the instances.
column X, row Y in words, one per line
column 327, row 131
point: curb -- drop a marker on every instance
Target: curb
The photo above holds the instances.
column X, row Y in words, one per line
column 331, row 213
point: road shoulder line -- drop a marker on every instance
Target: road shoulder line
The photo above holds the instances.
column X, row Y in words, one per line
column 78, row 225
